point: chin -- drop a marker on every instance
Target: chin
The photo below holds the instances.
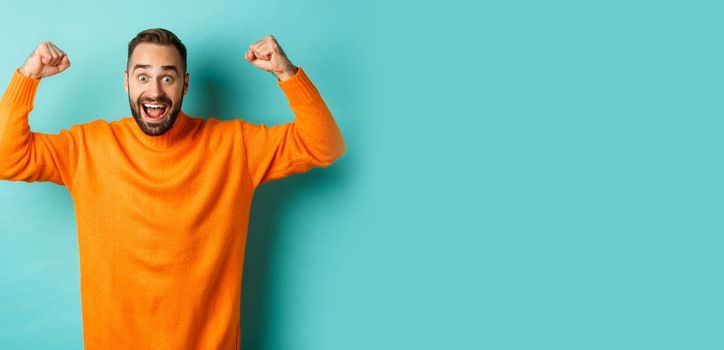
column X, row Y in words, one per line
column 156, row 126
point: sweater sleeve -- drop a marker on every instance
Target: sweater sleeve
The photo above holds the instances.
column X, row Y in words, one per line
column 313, row 139
column 31, row 156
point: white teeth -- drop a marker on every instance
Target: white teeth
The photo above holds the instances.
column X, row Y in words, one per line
column 153, row 106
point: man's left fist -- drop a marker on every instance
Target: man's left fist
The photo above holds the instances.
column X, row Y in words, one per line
column 267, row 55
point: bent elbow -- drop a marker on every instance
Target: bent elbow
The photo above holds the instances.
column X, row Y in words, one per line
column 337, row 148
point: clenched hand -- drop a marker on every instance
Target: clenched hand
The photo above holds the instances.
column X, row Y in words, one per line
column 46, row 60
column 266, row 54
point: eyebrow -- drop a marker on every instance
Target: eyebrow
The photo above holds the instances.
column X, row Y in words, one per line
column 146, row 66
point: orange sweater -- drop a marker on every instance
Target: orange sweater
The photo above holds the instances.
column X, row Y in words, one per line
column 162, row 220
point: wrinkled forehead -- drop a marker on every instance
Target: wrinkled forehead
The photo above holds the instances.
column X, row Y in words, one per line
column 155, row 57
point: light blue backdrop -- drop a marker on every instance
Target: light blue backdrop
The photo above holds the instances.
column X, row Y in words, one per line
column 519, row 175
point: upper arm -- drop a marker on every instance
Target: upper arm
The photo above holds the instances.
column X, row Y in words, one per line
column 44, row 157
column 274, row 152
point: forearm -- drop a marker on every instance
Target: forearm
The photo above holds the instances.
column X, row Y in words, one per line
column 313, row 120
column 15, row 134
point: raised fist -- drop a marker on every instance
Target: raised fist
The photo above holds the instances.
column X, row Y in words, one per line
column 267, row 55
column 46, row 60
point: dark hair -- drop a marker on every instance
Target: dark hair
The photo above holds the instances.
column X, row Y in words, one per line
column 157, row 36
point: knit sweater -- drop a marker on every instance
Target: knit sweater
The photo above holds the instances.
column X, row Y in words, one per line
column 162, row 220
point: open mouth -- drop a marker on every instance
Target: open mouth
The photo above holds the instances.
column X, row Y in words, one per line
column 154, row 112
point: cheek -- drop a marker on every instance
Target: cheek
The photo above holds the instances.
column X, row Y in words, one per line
column 176, row 93
column 134, row 96
column 132, row 91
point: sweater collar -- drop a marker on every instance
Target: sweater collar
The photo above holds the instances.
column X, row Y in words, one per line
column 176, row 134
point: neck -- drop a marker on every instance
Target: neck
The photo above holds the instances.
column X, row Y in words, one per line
column 175, row 134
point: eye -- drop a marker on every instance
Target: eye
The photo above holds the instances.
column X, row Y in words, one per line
column 142, row 78
column 167, row 79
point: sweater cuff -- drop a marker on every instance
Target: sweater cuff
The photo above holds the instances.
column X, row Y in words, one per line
column 299, row 89
column 21, row 90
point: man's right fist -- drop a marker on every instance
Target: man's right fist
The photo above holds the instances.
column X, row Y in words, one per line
column 46, row 60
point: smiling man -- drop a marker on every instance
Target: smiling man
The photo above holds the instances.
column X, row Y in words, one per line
column 162, row 198
column 156, row 103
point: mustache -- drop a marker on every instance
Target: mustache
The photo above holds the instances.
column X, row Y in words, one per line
column 164, row 100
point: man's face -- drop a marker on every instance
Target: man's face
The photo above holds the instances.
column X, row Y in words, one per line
column 156, row 82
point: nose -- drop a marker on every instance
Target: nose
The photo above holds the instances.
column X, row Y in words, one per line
column 154, row 89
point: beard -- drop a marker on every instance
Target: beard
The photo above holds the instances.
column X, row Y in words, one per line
column 155, row 129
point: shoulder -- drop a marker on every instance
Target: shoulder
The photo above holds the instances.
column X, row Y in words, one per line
column 92, row 124
column 88, row 128
column 222, row 131
column 222, row 126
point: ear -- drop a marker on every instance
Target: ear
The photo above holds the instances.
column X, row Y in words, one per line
column 186, row 84
column 125, row 80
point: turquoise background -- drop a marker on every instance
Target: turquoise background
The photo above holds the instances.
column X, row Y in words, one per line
column 519, row 175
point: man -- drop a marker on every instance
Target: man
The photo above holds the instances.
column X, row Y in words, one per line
column 162, row 199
